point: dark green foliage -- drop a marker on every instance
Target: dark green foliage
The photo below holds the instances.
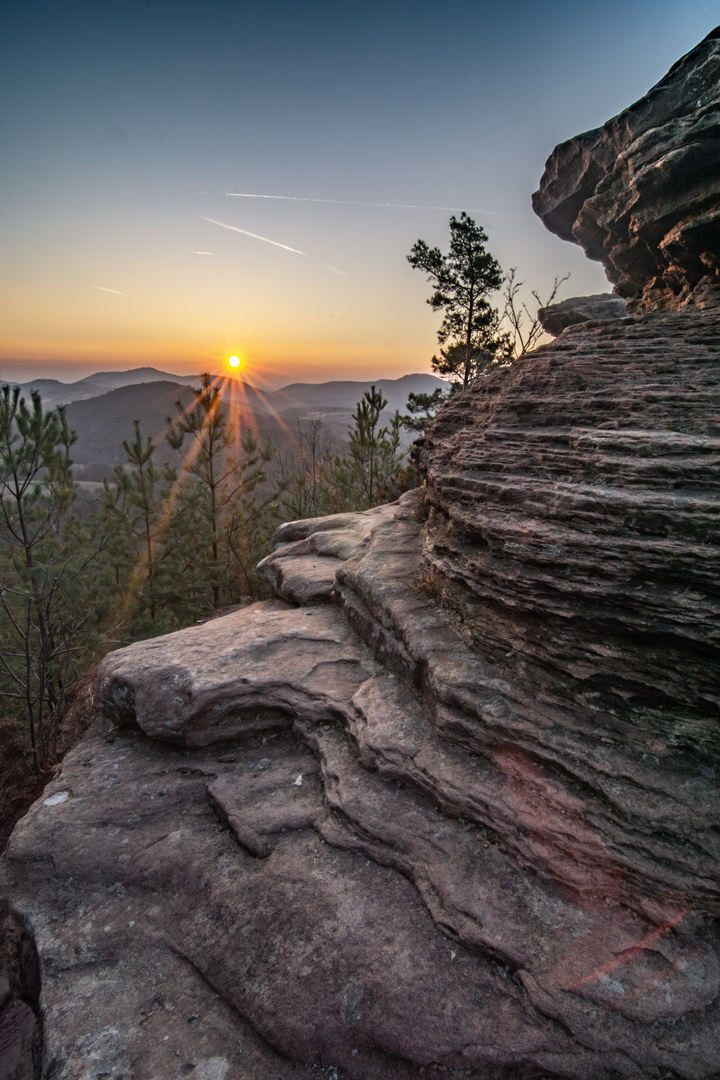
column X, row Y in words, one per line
column 463, row 280
column 50, row 599
column 369, row 472
column 422, row 408
column 223, row 492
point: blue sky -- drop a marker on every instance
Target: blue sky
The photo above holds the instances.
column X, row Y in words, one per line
column 128, row 127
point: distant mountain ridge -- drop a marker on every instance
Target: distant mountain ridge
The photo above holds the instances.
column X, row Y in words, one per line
column 101, row 423
column 343, row 394
column 54, row 392
column 335, row 394
column 103, row 415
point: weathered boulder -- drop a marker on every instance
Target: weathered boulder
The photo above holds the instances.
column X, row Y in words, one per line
column 641, row 194
column 301, row 567
column 20, row 1024
column 579, row 309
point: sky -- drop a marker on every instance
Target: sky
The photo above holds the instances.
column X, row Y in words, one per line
column 183, row 180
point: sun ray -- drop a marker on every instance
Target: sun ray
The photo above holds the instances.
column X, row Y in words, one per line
column 661, row 977
column 628, row 954
column 234, row 394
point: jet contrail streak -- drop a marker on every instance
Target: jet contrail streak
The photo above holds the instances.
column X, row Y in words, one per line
column 255, row 236
column 103, row 289
column 346, row 202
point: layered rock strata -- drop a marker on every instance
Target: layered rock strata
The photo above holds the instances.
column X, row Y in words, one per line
column 352, row 835
column 449, row 804
column 579, row 309
column 582, row 559
column 641, row 194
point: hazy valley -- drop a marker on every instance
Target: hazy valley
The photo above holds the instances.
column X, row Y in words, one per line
column 102, row 407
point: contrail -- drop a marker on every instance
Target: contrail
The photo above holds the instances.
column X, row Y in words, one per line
column 347, row 202
column 102, row 287
column 202, row 252
column 255, row 236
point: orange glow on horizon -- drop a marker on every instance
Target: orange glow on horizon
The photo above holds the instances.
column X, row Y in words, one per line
column 267, row 366
column 271, row 364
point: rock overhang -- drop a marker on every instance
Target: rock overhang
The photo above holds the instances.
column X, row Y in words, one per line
column 641, row 194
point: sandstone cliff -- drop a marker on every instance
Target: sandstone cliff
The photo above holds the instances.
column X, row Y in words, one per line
column 450, row 803
column 642, row 193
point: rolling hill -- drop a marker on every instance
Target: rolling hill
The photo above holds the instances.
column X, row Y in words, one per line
column 53, row 392
column 101, row 409
column 345, row 395
column 104, row 420
column 101, row 423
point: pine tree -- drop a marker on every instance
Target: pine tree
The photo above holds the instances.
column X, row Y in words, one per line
column 50, row 599
column 422, row 408
column 223, row 491
column 367, row 473
column 136, row 511
column 463, row 280
column 305, row 481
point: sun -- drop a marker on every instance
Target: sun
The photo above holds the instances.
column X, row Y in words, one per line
column 234, row 361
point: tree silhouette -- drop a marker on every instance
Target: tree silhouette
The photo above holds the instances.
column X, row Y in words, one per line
column 463, row 280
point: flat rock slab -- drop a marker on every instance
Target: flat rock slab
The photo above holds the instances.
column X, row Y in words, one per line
column 246, row 672
column 579, row 309
column 303, row 580
column 183, row 953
